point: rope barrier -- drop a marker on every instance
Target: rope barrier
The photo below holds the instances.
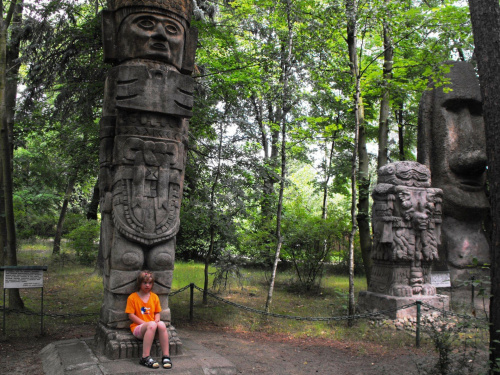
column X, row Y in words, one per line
column 50, row 315
column 300, row 318
column 179, row 291
column 262, row 312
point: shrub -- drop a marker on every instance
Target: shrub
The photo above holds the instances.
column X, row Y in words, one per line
column 227, row 268
column 85, row 241
column 308, row 244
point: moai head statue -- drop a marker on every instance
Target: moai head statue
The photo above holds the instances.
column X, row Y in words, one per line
column 157, row 30
column 451, row 141
column 406, row 225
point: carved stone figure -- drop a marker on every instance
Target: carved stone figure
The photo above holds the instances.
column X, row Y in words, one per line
column 406, row 218
column 451, row 143
column 144, row 133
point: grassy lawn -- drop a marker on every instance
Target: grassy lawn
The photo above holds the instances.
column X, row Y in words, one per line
column 70, row 288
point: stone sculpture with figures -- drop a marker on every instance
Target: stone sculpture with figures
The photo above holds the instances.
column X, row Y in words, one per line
column 148, row 101
column 406, row 219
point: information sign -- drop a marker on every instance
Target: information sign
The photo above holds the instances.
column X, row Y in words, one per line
column 20, row 279
column 441, row 279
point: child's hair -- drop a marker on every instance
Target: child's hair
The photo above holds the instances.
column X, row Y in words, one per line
column 144, row 276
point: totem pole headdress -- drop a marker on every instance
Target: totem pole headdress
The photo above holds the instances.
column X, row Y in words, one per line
column 180, row 10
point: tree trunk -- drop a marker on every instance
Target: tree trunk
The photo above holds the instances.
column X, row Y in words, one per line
column 3, row 222
column 485, row 17
column 12, row 75
column 324, row 206
column 7, row 103
column 93, row 208
column 383, row 127
column 363, row 216
column 212, row 215
column 351, row 11
column 279, row 238
column 278, row 219
column 62, row 215
column 363, row 160
column 207, row 264
column 401, row 134
column 282, row 112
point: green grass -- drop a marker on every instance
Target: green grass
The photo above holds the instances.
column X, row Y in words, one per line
column 70, row 288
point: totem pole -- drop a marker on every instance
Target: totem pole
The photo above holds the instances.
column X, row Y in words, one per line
column 451, row 143
column 406, row 218
column 148, row 101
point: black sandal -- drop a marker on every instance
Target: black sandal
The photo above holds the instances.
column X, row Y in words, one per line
column 167, row 363
column 149, row 362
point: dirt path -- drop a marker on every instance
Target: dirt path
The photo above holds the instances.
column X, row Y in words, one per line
column 252, row 353
column 257, row 353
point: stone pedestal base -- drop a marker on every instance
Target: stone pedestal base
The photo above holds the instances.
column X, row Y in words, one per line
column 80, row 357
column 375, row 302
column 121, row 344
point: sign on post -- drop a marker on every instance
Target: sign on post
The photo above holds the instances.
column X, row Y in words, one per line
column 441, row 279
column 20, row 277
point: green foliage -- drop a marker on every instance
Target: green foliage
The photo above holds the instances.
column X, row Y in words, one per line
column 309, row 244
column 242, row 63
column 85, row 241
column 33, row 219
column 458, row 346
column 227, row 269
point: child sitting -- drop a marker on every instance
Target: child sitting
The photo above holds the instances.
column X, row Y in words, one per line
column 143, row 309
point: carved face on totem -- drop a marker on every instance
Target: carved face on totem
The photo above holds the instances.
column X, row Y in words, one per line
column 454, row 147
column 151, row 36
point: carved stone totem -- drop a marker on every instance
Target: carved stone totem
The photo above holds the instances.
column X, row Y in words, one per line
column 406, row 219
column 148, row 101
column 451, row 143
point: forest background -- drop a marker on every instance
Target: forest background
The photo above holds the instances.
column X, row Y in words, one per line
column 298, row 103
column 281, row 89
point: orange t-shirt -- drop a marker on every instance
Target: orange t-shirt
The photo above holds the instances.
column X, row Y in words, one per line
column 143, row 310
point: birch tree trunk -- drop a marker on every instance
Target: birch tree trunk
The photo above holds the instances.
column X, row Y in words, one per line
column 285, row 67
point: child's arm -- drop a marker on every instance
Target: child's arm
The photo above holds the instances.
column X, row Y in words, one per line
column 134, row 318
column 157, row 317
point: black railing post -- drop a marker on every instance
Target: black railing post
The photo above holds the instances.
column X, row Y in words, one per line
column 41, row 315
column 419, row 303
column 3, row 328
column 191, row 302
column 472, row 278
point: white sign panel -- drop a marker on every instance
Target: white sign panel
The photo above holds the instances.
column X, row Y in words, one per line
column 14, row 279
column 441, row 279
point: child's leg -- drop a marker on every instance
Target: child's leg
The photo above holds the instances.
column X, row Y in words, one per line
column 148, row 331
column 163, row 336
